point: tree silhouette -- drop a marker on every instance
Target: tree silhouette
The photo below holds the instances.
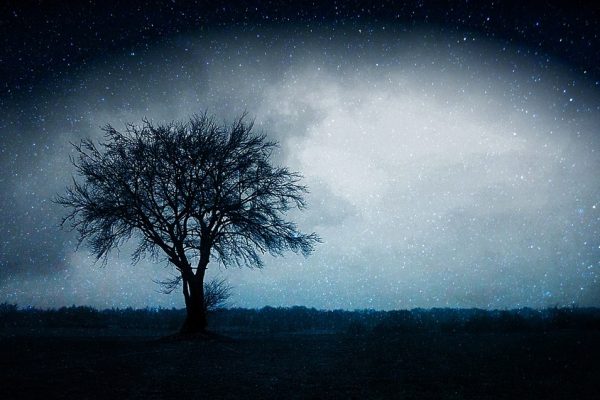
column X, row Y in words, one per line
column 189, row 192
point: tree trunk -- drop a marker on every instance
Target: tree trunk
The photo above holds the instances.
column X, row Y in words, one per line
column 193, row 290
column 195, row 321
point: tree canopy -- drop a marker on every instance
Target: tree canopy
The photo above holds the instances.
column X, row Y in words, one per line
column 187, row 191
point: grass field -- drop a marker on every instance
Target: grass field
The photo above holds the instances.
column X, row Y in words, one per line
column 138, row 364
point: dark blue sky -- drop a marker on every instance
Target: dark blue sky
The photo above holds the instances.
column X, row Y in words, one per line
column 451, row 150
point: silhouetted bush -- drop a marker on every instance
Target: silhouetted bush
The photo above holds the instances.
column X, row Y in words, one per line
column 356, row 328
column 7, row 308
column 8, row 314
column 303, row 319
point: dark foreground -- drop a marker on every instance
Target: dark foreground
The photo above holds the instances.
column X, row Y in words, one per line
column 105, row 364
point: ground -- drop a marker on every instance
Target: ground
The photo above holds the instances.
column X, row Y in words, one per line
column 110, row 364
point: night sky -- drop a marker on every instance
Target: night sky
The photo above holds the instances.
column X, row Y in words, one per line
column 452, row 150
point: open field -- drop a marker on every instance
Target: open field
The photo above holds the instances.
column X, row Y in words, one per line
column 101, row 363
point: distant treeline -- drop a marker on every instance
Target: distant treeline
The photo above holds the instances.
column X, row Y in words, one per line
column 302, row 319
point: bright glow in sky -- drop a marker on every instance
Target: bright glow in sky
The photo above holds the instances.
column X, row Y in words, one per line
column 444, row 172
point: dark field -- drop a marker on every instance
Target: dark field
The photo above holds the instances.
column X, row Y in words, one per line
column 74, row 365
column 80, row 353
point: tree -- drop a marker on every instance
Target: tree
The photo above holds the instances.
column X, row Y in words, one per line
column 189, row 192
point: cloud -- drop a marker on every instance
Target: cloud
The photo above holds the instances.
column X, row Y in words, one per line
column 438, row 175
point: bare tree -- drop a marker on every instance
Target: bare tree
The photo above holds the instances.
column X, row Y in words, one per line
column 189, row 192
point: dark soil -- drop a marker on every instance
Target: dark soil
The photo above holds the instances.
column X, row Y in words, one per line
column 100, row 364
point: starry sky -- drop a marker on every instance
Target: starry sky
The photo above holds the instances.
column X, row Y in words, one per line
column 451, row 149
